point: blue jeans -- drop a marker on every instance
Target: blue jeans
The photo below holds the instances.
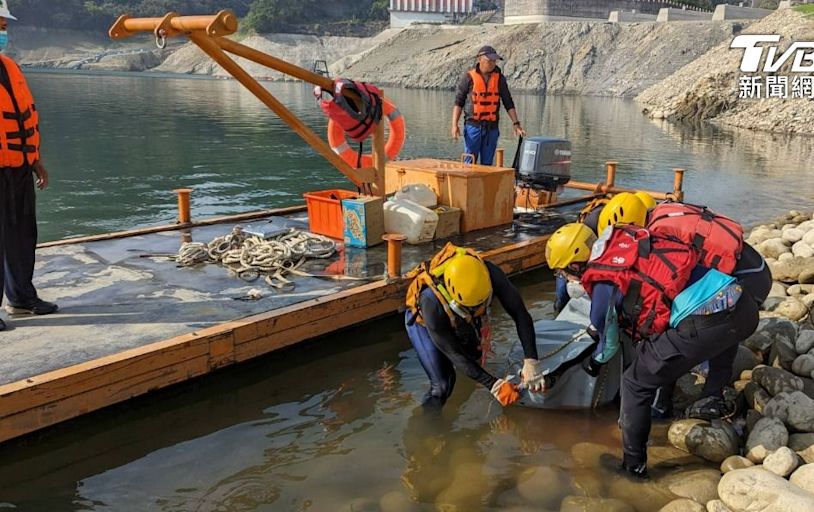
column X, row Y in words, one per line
column 481, row 141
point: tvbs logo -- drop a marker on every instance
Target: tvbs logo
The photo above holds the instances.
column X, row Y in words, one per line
column 801, row 52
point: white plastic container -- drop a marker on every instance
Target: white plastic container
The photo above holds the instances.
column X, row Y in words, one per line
column 418, row 193
column 410, row 219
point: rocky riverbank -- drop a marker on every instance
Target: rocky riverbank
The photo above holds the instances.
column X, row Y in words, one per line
column 766, row 451
column 707, row 89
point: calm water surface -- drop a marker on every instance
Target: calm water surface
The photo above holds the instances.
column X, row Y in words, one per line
column 334, row 425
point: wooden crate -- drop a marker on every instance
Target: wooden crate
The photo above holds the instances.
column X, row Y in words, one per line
column 485, row 194
column 449, row 222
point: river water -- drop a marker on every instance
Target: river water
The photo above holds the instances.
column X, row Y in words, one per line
column 334, row 425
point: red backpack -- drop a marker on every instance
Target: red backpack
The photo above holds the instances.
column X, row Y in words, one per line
column 718, row 239
column 649, row 270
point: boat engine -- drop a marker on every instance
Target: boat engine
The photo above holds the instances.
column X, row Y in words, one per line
column 544, row 163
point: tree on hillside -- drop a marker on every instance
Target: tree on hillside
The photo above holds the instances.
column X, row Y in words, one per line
column 274, row 15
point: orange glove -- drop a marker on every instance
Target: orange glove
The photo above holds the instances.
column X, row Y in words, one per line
column 505, row 392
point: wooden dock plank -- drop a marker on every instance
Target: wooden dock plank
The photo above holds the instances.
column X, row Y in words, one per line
column 35, row 403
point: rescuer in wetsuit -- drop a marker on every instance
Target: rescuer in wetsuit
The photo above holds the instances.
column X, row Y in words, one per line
column 447, row 320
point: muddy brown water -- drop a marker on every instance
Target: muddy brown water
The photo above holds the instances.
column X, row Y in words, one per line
column 334, row 425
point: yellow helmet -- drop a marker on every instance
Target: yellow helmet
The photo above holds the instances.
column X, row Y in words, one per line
column 467, row 280
column 570, row 244
column 646, row 199
column 624, row 208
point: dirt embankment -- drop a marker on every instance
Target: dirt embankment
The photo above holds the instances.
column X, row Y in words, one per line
column 592, row 58
column 708, row 88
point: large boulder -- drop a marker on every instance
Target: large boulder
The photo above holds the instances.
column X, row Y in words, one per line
column 758, row 490
column 713, row 441
column 795, row 409
column 768, row 435
column 803, row 365
column 773, row 248
column 805, row 341
column 776, row 380
column 803, row 477
column 781, row 462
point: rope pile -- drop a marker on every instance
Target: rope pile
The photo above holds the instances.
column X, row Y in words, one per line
column 251, row 257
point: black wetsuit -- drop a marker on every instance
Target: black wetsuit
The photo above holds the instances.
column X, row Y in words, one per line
column 442, row 348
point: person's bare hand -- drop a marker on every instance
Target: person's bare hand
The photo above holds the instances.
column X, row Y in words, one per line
column 456, row 132
column 42, row 176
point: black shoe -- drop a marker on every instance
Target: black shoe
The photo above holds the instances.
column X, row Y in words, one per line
column 711, row 408
column 611, row 463
column 38, row 307
column 2, row 325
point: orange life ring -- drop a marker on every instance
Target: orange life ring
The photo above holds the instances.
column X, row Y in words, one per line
column 395, row 141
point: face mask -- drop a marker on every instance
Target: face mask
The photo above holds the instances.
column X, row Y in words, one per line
column 3, row 39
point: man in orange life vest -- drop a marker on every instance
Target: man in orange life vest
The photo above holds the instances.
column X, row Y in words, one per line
column 479, row 95
column 19, row 164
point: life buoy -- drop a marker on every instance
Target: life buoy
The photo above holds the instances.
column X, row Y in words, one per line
column 395, row 141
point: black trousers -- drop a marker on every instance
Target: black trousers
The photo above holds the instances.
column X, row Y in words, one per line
column 660, row 361
column 18, row 234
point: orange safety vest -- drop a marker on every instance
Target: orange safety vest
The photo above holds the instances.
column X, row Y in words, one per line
column 19, row 126
column 485, row 97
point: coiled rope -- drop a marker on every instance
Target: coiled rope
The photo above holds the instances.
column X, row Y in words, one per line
column 251, row 257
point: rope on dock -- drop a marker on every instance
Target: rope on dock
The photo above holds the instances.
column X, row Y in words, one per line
column 251, row 257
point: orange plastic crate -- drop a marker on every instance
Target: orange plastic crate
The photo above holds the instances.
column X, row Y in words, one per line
column 325, row 211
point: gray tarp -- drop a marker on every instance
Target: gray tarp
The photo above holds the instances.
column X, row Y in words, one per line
column 560, row 341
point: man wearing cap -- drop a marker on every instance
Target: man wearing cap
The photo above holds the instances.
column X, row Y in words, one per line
column 479, row 95
column 19, row 165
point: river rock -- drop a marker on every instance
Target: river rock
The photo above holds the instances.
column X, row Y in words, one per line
column 465, row 490
column 683, row 505
column 586, row 454
column 751, row 419
column 758, row 490
column 687, row 390
column 805, row 341
column 773, row 248
column 699, row 485
column 782, row 354
column 803, row 477
column 544, row 486
column 806, row 275
column 778, row 329
column 792, row 308
column 795, row 409
column 768, row 435
column 807, row 238
column 803, row 365
column 756, row 397
column 776, row 380
column 746, row 375
column 717, row 506
column 735, row 462
column 799, row 289
column 759, row 342
column 778, row 290
column 781, row 462
column 396, row 501
column 802, row 250
column 808, row 301
column 792, row 235
column 799, row 442
column 713, row 441
column 740, row 385
column 360, row 505
column 788, row 271
column 585, row 504
column 785, row 256
column 763, row 233
column 640, row 495
column 745, row 360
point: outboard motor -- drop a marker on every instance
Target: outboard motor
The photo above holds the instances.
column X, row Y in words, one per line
column 544, row 164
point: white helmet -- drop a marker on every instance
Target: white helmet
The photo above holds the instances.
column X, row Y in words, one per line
column 4, row 13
